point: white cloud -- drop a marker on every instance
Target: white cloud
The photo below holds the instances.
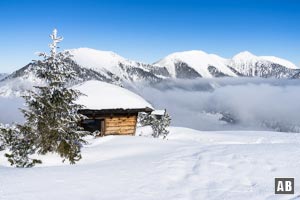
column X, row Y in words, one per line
column 252, row 103
column 9, row 110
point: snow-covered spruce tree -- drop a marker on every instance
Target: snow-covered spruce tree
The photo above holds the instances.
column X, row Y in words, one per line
column 51, row 115
column 158, row 123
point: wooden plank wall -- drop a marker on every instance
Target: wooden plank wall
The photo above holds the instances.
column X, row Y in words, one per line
column 120, row 125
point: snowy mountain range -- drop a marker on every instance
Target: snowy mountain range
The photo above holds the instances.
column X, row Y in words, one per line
column 91, row 64
column 194, row 64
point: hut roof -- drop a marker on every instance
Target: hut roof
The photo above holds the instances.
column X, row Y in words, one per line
column 101, row 96
column 158, row 112
column 109, row 112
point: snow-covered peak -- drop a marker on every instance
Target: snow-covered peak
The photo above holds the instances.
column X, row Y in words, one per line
column 196, row 59
column 98, row 60
column 101, row 95
column 243, row 62
column 244, row 56
column 190, row 56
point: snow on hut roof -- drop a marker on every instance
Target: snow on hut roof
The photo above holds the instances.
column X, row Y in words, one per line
column 158, row 112
column 101, row 95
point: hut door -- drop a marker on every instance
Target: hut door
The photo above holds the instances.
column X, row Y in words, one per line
column 102, row 127
column 91, row 125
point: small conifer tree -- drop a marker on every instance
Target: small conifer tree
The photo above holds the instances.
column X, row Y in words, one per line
column 158, row 123
column 51, row 116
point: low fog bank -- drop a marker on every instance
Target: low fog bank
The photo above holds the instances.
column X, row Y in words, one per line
column 10, row 110
column 228, row 103
column 212, row 104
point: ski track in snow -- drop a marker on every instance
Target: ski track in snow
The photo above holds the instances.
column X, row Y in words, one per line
column 189, row 165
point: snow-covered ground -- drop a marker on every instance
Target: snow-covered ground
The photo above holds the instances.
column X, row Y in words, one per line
column 190, row 164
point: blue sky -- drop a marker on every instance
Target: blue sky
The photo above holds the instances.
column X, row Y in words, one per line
column 147, row 30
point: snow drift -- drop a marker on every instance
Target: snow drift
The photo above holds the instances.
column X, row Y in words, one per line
column 189, row 165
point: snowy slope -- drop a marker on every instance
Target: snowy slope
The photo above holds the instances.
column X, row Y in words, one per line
column 280, row 61
column 101, row 95
column 112, row 63
column 99, row 60
column 189, row 165
column 197, row 60
column 16, row 86
column 2, row 76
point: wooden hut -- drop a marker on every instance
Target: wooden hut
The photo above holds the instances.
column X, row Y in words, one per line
column 112, row 121
column 110, row 109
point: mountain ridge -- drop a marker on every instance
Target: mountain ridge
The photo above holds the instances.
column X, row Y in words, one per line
column 107, row 66
column 241, row 64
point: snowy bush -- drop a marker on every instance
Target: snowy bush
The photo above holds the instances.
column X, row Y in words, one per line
column 21, row 144
column 3, row 136
column 158, row 123
column 2, row 145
